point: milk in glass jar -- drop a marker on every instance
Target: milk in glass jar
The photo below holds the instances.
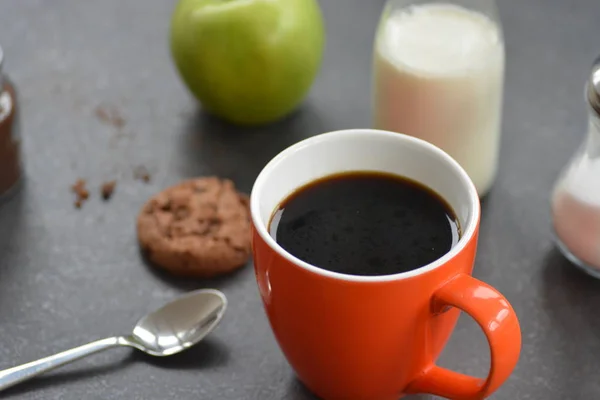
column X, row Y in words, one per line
column 438, row 74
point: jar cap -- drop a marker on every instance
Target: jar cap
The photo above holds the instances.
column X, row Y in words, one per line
column 1, row 62
column 593, row 91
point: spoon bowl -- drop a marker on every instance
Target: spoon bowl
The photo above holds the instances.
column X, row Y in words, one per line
column 179, row 324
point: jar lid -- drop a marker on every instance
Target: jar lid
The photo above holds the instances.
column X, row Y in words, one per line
column 593, row 91
column 1, row 62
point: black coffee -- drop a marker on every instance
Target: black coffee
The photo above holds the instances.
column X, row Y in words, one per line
column 365, row 223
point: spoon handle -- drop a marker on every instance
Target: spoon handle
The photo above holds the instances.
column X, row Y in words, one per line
column 12, row 376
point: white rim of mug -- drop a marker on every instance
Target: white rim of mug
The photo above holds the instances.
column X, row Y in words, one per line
column 262, row 230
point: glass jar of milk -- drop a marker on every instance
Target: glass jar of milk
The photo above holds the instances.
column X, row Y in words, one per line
column 438, row 74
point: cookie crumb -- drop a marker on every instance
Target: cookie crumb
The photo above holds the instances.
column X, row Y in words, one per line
column 141, row 174
column 80, row 191
column 107, row 189
column 110, row 116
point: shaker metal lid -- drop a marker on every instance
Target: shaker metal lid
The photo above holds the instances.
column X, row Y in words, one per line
column 593, row 91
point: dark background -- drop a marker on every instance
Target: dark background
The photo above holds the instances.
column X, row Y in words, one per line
column 69, row 276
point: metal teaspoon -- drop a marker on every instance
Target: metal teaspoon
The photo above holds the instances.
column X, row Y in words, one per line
column 171, row 329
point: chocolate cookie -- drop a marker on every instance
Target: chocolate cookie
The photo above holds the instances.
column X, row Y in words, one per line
column 200, row 228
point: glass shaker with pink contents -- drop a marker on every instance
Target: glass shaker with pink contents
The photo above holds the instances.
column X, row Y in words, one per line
column 576, row 195
column 438, row 74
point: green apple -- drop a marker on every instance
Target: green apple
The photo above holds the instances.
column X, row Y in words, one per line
column 248, row 61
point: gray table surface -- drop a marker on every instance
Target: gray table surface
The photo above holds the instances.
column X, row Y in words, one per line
column 69, row 276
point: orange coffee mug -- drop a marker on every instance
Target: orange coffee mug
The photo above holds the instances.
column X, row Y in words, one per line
column 378, row 337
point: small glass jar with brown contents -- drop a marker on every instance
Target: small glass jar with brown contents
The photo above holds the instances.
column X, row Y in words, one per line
column 10, row 140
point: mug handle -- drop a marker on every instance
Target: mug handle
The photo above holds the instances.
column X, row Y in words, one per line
column 497, row 319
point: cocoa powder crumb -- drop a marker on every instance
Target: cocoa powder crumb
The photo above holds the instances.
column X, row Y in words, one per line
column 80, row 191
column 141, row 174
column 10, row 153
column 107, row 189
column 110, row 116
